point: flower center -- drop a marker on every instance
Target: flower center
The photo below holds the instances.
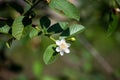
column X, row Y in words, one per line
column 63, row 46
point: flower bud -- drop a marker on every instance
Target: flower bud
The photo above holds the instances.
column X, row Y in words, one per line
column 72, row 39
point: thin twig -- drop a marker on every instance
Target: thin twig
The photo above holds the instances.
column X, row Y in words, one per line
column 27, row 1
column 33, row 6
column 3, row 19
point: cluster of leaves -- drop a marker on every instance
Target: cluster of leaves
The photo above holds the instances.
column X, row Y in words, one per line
column 22, row 25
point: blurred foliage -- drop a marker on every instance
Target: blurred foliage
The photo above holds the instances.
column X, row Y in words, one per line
column 24, row 60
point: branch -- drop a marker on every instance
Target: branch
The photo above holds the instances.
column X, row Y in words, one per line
column 98, row 57
column 27, row 1
column 33, row 6
column 3, row 19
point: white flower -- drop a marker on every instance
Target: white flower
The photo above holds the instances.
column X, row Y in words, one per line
column 63, row 47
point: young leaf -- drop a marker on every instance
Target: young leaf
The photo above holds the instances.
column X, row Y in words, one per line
column 50, row 54
column 18, row 27
column 73, row 29
column 34, row 32
column 66, row 8
column 5, row 29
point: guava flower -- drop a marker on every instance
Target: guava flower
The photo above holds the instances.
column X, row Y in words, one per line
column 63, row 47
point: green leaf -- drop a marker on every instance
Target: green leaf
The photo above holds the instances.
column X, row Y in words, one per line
column 64, row 25
column 5, row 29
column 50, row 55
column 72, row 30
column 26, row 21
column 76, row 28
column 37, row 68
column 27, row 30
column 66, row 8
column 56, row 28
column 34, row 32
column 18, row 27
column 113, row 25
column 45, row 22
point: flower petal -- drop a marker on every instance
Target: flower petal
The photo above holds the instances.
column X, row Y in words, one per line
column 67, row 50
column 61, row 53
column 63, row 41
column 58, row 42
column 58, row 49
column 62, row 46
column 68, row 44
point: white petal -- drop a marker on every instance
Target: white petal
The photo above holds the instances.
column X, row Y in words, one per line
column 58, row 49
column 63, row 41
column 61, row 53
column 58, row 42
column 68, row 44
column 67, row 50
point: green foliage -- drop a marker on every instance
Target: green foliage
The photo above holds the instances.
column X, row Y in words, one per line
column 26, row 31
column 67, row 29
column 23, row 25
column 50, row 55
column 56, row 28
column 72, row 30
column 65, row 8
column 4, row 29
column 64, row 25
column 45, row 22
column 28, row 27
column 18, row 27
column 34, row 32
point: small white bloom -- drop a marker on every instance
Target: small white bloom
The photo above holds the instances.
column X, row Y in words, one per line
column 63, row 47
